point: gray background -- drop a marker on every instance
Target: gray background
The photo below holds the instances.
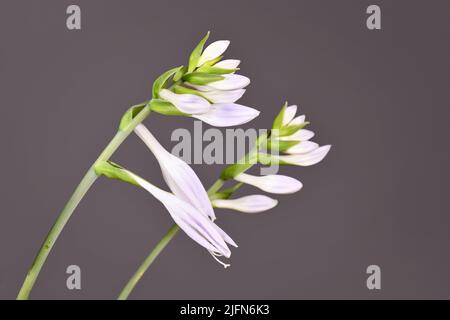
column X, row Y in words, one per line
column 379, row 97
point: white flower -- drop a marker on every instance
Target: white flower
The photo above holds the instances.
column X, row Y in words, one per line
column 289, row 114
column 197, row 226
column 213, row 51
column 274, row 183
column 218, row 96
column 305, row 152
column 214, row 102
column 230, row 82
column 300, row 135
column 187, row 103
column 248, row 204
column 192, row 209
column 179, row 176
column 303, row 147
column 227, row 114
column 228, row 64
column 224, row 113
column 306, row 159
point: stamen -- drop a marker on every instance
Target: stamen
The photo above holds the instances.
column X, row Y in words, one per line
column 215, row 255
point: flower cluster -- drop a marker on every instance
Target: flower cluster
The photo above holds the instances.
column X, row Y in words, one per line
column 206, row 89
column 288, row 136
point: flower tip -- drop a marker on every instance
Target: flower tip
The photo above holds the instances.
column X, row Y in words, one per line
column 326, row 148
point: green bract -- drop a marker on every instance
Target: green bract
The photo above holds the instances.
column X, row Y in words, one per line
column 130, row 114
column 179, row 74
column 280, row 145
column 288, row 130
column 196, row 53
column 278, row 121
column 233, row 170
column 201, row 78
column 216, row 70
column 212, row 62
column 162, row 81
column 114, row 171
column 166, row 108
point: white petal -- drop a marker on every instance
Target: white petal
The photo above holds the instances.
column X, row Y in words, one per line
column 307, row 159
column 303, row 147
column 274, row 183
column 219, row 96
column 199, row 87
column 187, row 103
column 197, row 226
column 289, row 114
column 225, row 236
column 228, row 64
column 298, row 120
column 249, row 204
column 179, row 176
column 227, row 114
column 300, row 135
column 230, row 82
column 212, row 51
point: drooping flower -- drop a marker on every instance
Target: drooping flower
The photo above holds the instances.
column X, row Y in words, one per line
column 179, row 176
column 196, row 225
column 187, row 187
column 249, row 204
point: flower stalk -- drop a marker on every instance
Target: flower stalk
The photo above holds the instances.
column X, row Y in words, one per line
column 129, row 121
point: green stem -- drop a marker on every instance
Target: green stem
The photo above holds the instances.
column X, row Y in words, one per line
column 73, row 202
column 148, row 261
column 215, row 187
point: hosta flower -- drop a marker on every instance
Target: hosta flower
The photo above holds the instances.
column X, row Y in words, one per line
column 207, row 88
column 196, row 225
column 306, row 159
column 249, row 204
column 186, row 186
column 273, row 183
column 290, row 137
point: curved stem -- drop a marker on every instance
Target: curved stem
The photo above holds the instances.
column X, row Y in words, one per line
column 148, row 261
column 73, row 202
column 54, row 232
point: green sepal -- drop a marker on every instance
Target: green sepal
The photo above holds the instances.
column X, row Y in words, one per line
column 166, row 108
column 216, row 70
column 288, row 130
column 225, row 194
column 113, row 171
column 212, row 62
column 278, row 121
column 233, row 170
column 180, row 73
column 184, row 90
column 196, row 53
column 129, row 115
column 201, row 78
column 280, row 145
column 162, row 81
